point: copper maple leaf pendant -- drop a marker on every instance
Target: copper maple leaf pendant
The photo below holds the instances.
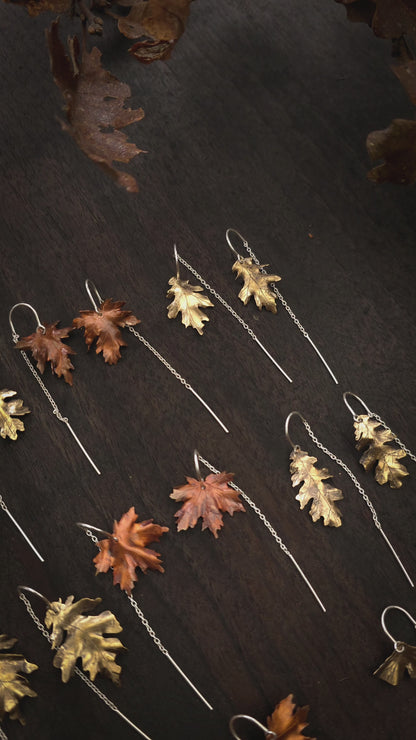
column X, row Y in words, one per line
column 103, row 326
column 46, row 346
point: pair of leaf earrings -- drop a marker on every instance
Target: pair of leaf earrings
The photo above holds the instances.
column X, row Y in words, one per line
column 188, row 299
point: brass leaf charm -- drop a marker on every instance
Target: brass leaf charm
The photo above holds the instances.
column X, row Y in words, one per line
column 13, row 686
column 314, row 488
column 255, row 284
column 187, row 299
column 8, row 426
column 388, row 469
column 84, row 639
column 393, row 668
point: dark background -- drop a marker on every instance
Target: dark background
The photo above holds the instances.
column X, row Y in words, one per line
column 258, row 122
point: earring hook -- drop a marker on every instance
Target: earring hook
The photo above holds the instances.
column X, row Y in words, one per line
column 197, row 458
column 20, row 589
column 227, row 236
column 287, row 422
column 86, row 527
column 89, row 283
column 39, row 325
column 268, row 733
column 176, row 256
column 349, row 407
column 383, row 623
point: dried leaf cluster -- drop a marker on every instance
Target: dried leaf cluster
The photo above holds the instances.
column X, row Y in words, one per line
column 206, row 499
column 85, row 638
column 256, row 284
column 288, row 721
column 104, row 326
column 380, row 454
column 315, row 489
column 401, row 660
column 9, row 426
column 13, row 686
column 187, row 300
column 127, row 549
column 396, row 145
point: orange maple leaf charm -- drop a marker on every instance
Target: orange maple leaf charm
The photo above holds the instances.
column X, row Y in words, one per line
column 46, row 346
column 287, row 721
column 103, row 325
column 127, row 549
column 206, row 499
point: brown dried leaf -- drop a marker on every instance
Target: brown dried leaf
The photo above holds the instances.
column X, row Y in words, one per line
column 287, row 721
column 35, row 7
column 393, row 18
column 150, row 51
column 186, row 300
column 397, row 146
column 128, row 549
column 314, row 488
column 370, row 434
column 47, row 347
column 255, row 284
column 94, row 106
column 13, row 686
column 160, row 22
column 8, row 426
column 206, row 499
column 103, row 326
column 393, row 668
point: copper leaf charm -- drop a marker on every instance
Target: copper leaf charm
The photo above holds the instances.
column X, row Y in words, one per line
column 186, row 300
column 8, row 426
column 255, row 284
column 46, row 346
column 288, row 721
column 13, row 686
column 370, row 434
column 314, row 488
column 206, row 499
column 103, row 326
column 393, row 668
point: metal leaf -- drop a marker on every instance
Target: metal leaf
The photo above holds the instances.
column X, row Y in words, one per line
column 255, row 284
column 8, row 426
column 186, row 300
column 401, row 660
column 315, row 489
column 13, row 686
column 370, row 434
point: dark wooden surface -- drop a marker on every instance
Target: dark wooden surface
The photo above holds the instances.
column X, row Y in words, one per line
column 258, row 122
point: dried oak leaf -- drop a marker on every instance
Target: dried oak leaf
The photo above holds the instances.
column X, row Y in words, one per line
column 255, row 284
column 287, row 721
column 13, row 686
column 314, row 488
column 397, row 146
column 128, row 549
column 103, row 326
column 370, row 434
column 187, row 299
column 84, row 639
column 94, row 106
column 8, row 426
column 158, row 24
column 393, row 668
column 47, row 347
column 206, row 499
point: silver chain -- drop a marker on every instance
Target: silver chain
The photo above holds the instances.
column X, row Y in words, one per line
column 37, row 621
column 396, row 439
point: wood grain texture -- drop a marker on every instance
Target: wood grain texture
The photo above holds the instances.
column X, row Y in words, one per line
column 258, row 122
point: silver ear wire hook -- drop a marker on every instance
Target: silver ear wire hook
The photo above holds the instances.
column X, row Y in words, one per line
column 196, row 464
column 27, row 305
column 175, row 254
column 395, row 642
column 86, row 527
column 227, row 236
column 287, row 422
column 268, row 733
column 349, row 407
column 89, row 285
column 20, row 590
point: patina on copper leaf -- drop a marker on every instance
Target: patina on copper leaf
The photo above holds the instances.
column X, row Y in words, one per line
column 103, row 326
column 46, row 346
column 94, row 106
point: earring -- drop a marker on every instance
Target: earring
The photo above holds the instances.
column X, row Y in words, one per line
column 187, row 300
column 286, row 720
column 8, row 409
column 13, row 686
column 85, row 639
column 372, row 432
column 322, row 494
column 233, row 313
column 403, row 658
column 124, row 550
column 45, row 345
column 101, row 324
column 261, row 286
column 208, row 498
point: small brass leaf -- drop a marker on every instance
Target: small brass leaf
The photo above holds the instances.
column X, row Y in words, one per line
column 186, row 300
column 370, row 434
column 13, row 686
column 314, row 488
column 393, row 668
column 8, row 426
column 256, row 284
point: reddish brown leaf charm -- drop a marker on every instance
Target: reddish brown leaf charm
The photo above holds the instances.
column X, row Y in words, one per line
column 127, row 549
column 287, row 721
column 47, row 347
column 103, row 325
column 206, row 499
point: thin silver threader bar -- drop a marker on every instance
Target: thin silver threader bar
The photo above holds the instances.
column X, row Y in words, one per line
column 17, row 525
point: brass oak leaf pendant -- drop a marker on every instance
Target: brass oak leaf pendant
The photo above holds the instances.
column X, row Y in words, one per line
column 393, row 668
column 314, row 488
column 187, row 299
column 288, row 721
column 127, row 549
column 84, row 639
column 46, row 346
column 206, row 499
column 8, row 426
column 103, row 326
column 13, row 686
column 386, row 458
column 255, row 284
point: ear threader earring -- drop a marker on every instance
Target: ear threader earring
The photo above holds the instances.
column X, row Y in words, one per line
column 13, row 686
column 102, row 324
column 323, row 495
column 372, row 432
column 287, row 720
column 261, row 286
column 402, row 659
column 188, row 299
